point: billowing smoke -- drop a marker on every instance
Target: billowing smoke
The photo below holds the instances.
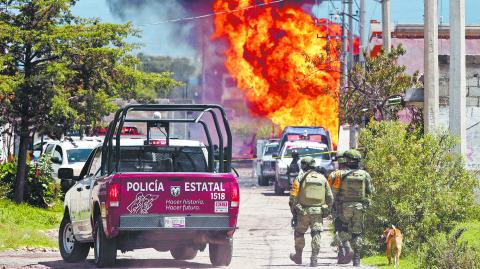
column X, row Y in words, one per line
column 178, row 39
column 184, row 38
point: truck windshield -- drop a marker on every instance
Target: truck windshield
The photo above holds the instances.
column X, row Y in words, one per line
column 318, row 153
column 162, row 159
column 269, row 150
column 78, row 155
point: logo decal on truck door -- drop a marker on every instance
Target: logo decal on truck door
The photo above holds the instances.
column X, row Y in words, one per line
column 142, row 203
column 175, row 191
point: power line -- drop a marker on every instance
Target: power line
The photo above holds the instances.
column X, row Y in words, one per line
column 210, row 14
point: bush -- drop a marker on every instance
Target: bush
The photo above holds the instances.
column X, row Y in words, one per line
column 8, row 171
column 447, row 252
column 40, row 187
column 422, row 187
column 470, row 233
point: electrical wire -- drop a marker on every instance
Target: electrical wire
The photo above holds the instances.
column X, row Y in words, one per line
column 210, row 14
column 473, row 125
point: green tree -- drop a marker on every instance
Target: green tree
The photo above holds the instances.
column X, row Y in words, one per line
column 98, row 68
column 369, row 86
column 422, row 186
column 182, row 68
column 58, row 71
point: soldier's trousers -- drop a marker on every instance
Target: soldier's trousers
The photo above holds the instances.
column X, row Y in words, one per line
column 315, row 223
column 352, row 215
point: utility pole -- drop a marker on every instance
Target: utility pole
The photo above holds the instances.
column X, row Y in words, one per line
column 353, row 126
column 386, row 35
column 344, row 74
column 350, row 35
column 431, row 76
column 363, row 34
column 457, row 83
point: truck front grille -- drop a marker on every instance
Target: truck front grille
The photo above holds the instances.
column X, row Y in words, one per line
column 269, row 165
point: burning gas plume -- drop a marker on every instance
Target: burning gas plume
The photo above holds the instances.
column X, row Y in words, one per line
column 286, row 64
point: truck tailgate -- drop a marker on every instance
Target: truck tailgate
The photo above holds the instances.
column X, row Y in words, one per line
column 190, row 200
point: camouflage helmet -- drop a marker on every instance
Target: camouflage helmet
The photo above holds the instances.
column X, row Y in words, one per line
column 341, row 157
column 352, row 155
column 307, row 162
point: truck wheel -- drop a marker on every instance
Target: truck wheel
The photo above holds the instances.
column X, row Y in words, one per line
column 183, row 253
column 105, row 249
column 278, row 189
column 221, row 255
column 70, row 249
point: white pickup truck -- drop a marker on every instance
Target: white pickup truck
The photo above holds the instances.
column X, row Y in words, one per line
column 317, row 150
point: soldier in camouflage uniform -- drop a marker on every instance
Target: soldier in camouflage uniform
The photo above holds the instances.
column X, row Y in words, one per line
column 310, row 200
column 350, row 191
column 338, row 225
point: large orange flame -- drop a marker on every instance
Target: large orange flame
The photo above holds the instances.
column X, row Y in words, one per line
column 286, row 64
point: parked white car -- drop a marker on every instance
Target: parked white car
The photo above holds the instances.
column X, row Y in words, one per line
column 70, row 154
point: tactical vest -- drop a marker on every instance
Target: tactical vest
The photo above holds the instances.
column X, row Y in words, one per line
column 353, row 187
column 312, row 190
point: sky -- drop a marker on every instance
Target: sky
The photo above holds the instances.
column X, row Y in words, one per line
column 154, row 36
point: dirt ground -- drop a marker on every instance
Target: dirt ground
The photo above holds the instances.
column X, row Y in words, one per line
column 264, row 240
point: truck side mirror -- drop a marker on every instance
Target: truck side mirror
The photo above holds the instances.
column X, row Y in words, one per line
column 275, row 155
column 65, row 173
column 56, row 160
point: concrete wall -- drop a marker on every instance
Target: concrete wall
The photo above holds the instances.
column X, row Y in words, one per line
column 473, row 134
column 473, row 105
column 473, row 80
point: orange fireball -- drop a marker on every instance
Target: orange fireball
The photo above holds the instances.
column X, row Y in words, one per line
column 286, row 64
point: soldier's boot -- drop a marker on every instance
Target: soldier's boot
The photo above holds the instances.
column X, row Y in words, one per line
column 297, row 256
column 348, row 254
column 341, row 252
column 313, row 258
column 313, row 262
column 356, row 258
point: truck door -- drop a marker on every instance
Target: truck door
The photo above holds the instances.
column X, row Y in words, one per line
column 85, row 188
column 258, row 163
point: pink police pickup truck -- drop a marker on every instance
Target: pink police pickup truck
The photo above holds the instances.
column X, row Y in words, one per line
column 160, row 192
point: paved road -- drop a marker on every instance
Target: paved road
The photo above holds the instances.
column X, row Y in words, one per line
column 264, row 240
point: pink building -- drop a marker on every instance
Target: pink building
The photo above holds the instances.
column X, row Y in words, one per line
column 411, row 38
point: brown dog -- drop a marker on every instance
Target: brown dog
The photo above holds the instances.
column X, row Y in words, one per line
column 394, row 239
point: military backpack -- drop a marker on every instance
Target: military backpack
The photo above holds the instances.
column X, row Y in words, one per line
column 353, row 187
column 312, row 189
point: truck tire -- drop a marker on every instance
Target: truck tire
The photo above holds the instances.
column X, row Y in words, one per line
column 183, row 253
column 278, row 190
column 220, row 255
column 70, row 249
column 263, row 181
column 105, row 249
